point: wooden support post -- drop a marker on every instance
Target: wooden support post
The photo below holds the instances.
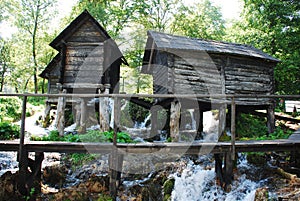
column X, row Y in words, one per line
column 104, row 111
column 153, row 132
column 218, row 168
column 83, row 119
column 174, row 121
column 77, row 113
column 233, row 122
column 39, row 156
column 23, row 154
column 228, row 173
column 271, row 118
column 199, row 119
column 60, row 120
column 46, row 117
column 222, row 119
column 115, row 159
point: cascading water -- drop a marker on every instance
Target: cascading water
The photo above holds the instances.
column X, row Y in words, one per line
column 196, row 183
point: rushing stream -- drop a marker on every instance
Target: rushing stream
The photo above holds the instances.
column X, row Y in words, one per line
column 196, row 182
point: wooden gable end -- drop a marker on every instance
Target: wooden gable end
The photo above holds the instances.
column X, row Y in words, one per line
column 87, row 32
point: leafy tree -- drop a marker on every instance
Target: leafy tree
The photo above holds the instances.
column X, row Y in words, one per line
column 4, row 62
column 203, row 20
column 31, row 17
column 158, row 14
column 274, row 27
column 113, row 15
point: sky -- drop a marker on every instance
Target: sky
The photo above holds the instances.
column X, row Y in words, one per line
column 230, row 10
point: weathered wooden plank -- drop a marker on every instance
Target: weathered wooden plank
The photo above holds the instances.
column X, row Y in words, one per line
column 86, row 39
column 256, row 79
column 84, row 73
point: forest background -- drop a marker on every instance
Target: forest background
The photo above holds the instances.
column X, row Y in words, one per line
column 270, row 25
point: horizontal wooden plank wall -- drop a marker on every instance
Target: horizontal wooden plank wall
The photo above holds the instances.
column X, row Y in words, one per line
column 84, row 64
column 249, row 76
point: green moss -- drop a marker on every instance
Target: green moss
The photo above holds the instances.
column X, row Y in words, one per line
column 168, row 186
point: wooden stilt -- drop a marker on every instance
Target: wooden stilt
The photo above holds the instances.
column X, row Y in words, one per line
column 199, row 119
column 46, row 117
column 104, row 111
column 271, row 118
column 77, row 113
column 218, row 168
column 153, row 132
column 83, row 119
column 60, row 120
column 222, row 119
column 228, row 172
column 174, row 121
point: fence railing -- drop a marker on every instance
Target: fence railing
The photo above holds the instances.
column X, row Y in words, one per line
column 226, row 99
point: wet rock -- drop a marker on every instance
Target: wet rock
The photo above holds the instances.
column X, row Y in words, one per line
column 55, row 175
column 262, row 194
column 8, row 187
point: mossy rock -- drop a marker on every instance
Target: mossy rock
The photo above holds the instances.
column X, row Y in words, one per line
column 168, row 188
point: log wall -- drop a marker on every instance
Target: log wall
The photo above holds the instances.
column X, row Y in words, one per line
column 84, row 56
column 203, row 73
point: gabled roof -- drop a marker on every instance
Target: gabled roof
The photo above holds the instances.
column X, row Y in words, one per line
column 73, row 27
column 167, row 42
column 76, row 24
column 50, row 67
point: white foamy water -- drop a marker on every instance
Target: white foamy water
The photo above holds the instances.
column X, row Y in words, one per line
column 197, row 184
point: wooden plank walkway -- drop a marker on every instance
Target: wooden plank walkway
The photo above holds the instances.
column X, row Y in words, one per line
column 199, row 148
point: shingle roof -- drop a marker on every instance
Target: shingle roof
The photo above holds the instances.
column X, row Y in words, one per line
column 167, row 42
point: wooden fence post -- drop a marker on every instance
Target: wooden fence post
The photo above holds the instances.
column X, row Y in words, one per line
column 23, row 154
column 115, row 160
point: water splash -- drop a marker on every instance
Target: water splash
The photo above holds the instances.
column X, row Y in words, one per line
column 198, row 184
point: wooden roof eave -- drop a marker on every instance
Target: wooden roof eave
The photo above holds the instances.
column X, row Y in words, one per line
column 51, row 66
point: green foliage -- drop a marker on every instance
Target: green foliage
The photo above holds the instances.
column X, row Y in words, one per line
column 205, row 16
column 10, row 108
column 273, row 26
column 278, row 134
column 36, row 101
column 137, row 113
column 9, row 131
column 90, row 136
column 249, row 126
column 79, row 159
column 104, row 198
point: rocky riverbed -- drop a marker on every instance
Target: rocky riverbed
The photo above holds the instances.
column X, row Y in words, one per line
column 188, row 177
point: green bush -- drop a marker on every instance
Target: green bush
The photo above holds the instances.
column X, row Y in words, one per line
column 10, row 108
column 90, row 136
column 9, row 131
column 250, row 126
column 36, row 101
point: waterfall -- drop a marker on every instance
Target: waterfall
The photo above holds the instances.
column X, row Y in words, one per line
column 195, row 183
column 143, row 124
column 194, row 123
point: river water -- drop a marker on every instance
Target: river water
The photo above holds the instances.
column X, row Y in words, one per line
column 194, row 183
